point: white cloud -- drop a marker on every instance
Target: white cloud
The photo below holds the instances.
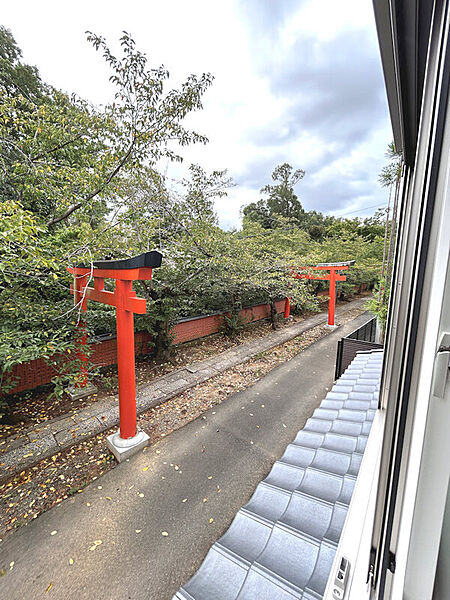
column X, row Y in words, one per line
column 327, row 18
column 250, row 120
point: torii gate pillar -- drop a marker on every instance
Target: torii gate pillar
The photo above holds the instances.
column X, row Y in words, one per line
column 128, row 439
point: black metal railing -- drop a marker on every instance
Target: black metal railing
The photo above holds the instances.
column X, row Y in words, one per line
column 359, row 340
column 365, row 333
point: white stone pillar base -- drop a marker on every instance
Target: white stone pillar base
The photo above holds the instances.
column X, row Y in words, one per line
column 123, row 449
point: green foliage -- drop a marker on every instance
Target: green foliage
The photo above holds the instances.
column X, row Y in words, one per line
column 392, row 171
column 63, row 165
column 201, row 190
column 233, row 324
column 79, row 183
column 390, row 176
column 378, row 304
column 281, row 197
column 15, row 77
column 60, row 156
column 281, row 200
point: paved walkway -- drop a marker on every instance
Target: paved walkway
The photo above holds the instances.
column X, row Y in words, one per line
column 110, row 541
column 57, row 434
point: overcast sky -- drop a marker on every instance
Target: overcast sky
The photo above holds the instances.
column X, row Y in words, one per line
column 296, row 81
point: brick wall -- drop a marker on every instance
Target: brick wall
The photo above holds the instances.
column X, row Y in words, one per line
column 38, row 372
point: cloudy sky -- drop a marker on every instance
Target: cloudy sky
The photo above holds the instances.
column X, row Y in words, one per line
column 296, row 81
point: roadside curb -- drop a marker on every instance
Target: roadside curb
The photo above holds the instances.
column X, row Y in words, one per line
column 61, row 433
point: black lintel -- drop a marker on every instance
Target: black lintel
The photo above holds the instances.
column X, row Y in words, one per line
column 150, row 259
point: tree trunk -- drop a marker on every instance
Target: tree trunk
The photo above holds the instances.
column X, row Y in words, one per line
column 393, row 234
column 273, row 315
column 386, row 230
column 162, row 342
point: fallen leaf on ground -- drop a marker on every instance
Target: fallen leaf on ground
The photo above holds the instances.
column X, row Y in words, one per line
column 50, row 585
column 96, row 543
column 211, row 520
column 70, row 561
column 138, row 530
column 85, row 461
column 164, row 533
column 54, row 532
column 184, row 500
column 146, row 468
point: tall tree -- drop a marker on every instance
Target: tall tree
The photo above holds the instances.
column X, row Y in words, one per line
column 202, row 189
column 281, row 201
column 15, row 76
column 59, row 155
column 63, row 163
column 390, row 176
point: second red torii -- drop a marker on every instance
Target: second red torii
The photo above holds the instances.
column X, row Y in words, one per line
column 332, row 277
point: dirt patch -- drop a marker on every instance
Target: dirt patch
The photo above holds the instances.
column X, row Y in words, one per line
column 54, row 479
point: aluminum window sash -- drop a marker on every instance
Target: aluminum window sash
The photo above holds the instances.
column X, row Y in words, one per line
column 406, row 303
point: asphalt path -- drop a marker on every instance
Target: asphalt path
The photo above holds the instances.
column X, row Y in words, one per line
column 143, row 529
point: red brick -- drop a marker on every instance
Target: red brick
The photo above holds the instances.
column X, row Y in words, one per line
column 38, row 372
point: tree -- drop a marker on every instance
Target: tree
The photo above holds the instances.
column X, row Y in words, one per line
column 281, row 200
column 370, row 228
column 258, row 212
column 15, row 77
column 63, row 165
column 373, row 227
column 59, row 155
column 202, row 189
column 390, row 176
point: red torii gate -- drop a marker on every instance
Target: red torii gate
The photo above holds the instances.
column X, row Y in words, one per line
column 332, row 277
column 127, row 440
